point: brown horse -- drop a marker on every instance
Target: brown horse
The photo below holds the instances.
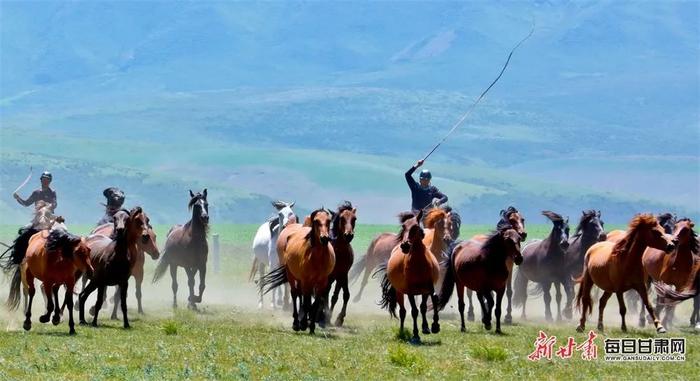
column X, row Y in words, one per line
column 678, row 268
column 307, row 259
column 412, row 270
column 112, row 258
column 484, row 267
column 186, row 246
column 510, row 218
column 149, row 247
column 379, row 250
column 342, row 233
column 437, row 225
column 617, row 267
column 53, row 257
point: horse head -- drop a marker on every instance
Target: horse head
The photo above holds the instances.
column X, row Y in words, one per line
column 115, row 197
column 667, row 222
column 150, row 244
column 511, row 216
column 591, row 225
column 81, row 256
column 121, row 221
column 512, row 239
column 320, row 221
column 411, row 233
column 285, row 213
column 43, row 215
column 344, row 222
column 684, row 234
column 200, row 207
column 647, row 226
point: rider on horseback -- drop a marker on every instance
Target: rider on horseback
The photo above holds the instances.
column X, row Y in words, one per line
column 45, row 194
column 423, row 195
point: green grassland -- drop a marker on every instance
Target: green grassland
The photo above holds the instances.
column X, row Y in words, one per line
column 230, row 339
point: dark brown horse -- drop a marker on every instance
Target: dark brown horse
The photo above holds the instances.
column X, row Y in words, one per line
column 53, row 257
column 342, row 233
column 510, row 217
column 617, row 267
column 149, row 247
column 544, row 262
column 484, row 267
column 307, row 259
column 412, row 270
column 111, row 258
column 186, row 246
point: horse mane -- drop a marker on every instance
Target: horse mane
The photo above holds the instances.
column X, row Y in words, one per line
column 587, row 215
column 60, row 239
column 335, row 224
column 403, row 217
column 193, row 200
column 554, row 217
column 493, row 240
column 505, row 213
column 694, row 244
column 665, row 218
column 433, row 216
column 638, row 222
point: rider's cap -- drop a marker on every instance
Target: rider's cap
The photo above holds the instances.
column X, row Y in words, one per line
column 425, row 174
column 46, row 175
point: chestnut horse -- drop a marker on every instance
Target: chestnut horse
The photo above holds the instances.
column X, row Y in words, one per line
column 186, row 246
column 617, row 267
column 149, row 247
column 483, row 267
column 437, row 225
column 678, row 268
column 544, row 263
column 510, row 217
column 381, row 246
column 53, row 257
column 412, row 270
column 342, row 233
column 112, row 259
column 307, row 259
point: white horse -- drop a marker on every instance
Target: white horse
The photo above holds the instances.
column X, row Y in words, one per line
column 265, row 243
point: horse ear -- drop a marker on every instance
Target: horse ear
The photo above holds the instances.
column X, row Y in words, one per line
column 106, row 192
column 191, row 194
column 205, row 193
column 503, row 213
column 354, row 210
column 292, row 204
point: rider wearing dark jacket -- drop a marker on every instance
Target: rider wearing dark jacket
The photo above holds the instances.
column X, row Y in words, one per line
column 423, row 194
column 45, row 194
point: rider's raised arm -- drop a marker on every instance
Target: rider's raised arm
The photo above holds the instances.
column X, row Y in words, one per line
column 409, row 178
column 32, row 198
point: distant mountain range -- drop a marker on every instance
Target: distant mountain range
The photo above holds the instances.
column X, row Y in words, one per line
column 321, row 102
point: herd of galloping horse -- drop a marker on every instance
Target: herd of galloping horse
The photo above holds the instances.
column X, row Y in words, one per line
column 424, row 259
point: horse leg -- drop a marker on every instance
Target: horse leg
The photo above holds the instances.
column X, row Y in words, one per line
column 139, row 281
column 69, row 304
column 557, row 295
column 190, row 285
column 402, row 311
column 365, row 279
column 48, row 292
column 83, row 281
column 470, row 311
column 98, row 305
column 316, row 309
column 261, row 272
column 696, row 312
column 202, row 282
column 346, row 298
column 623, row 310
column 173, row 276
column 509, row 294
column 304, row 313
column 87, row 290
column 117, row 300
column 546, row 287
column 569, row 290
column 122, row 291
column 285, row 305
column 489, row 305
column 460, row 306
column 414, row 314
column 585, row 291
column 423, row 312
column 31, row 290
column 485, row 314
column 295, row 312
column 499, row 299
column 641, row 290
column 601, row 308
column 56, row 306
column 435, row 327
column 334, row 298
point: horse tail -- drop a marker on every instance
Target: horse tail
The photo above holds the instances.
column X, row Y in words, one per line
column 273, row 279
column 252, row 270
column 356, row 269
column 519, row 289
column 15, row 296
column 670, row 297
column 448, row 284
column 161, row 267
column 17, row 251
column 585, row 285
column 389, row 298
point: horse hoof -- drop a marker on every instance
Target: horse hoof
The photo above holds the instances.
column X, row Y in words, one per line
column 82, row 322
column 127, row 326
column 579, row 328
column 415, row 340
column 470, row 316
column 27, row 325
column 71, row 332
column 295, row 326
column 642, row 323
column 425, row 330
column 600, row 327
column 114, row 317
column 356, row 299
column 487, row 326
column 44, row 318
column 498, row 331
column 56, row 319
column 697, row 327
column 339, row 322
column 660, row 329
column 623, row 328
column 303, row 325
column 94, row 324
column 463, row 329
column 508, row 320
column 435, row 328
